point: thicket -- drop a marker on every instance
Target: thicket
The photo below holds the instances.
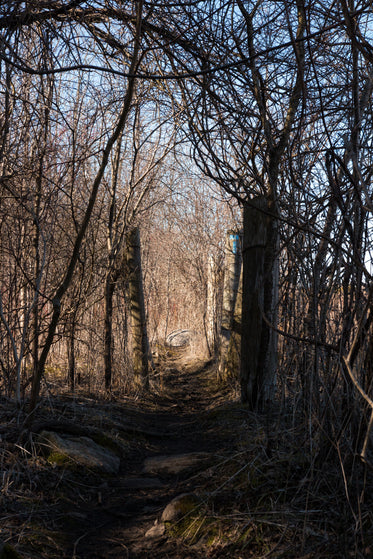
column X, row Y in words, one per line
column 108, row 115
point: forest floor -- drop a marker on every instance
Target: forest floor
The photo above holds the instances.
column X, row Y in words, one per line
column 256, row 493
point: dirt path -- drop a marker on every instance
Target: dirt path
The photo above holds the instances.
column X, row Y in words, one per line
column 128, row 506
column 258, row 494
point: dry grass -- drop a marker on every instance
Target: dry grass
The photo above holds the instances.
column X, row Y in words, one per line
column 268, row 496
column 268, row 493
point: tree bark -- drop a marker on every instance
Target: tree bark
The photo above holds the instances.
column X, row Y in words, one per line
column 233, row 358
column 232, row 267
column 140, row 345
column 108, row 330
column 71, row 354
column 66, row 281
column 212, row 333
column 259, row 300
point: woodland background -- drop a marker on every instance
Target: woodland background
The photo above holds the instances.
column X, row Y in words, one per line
column 176, row 118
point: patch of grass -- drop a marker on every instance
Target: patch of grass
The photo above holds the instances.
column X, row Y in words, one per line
column 187, row 529
column 54, row 372
column 56, row 458
column 108, row 442
column 43, row 541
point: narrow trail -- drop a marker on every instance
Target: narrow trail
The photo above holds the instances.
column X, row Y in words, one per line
column 131, row 504
column 249, row 481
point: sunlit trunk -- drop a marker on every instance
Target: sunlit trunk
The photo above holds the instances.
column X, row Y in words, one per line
column 140, row 346
column 232, row 266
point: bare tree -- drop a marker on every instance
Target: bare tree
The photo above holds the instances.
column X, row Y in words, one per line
column 240, row 138
column 65, row 283
column 145, row 147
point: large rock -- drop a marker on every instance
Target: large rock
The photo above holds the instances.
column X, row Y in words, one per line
column 79, row 450
column 175, row 464
column 180, row 506
column 180, row 338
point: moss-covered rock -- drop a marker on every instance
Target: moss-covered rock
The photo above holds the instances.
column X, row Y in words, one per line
column 183, row 505
column 63, row 451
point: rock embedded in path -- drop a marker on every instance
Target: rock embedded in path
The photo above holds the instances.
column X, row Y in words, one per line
column 176, row 463
column 179, row 507
column 156, row 531
column 79, row 450
column 180, row 338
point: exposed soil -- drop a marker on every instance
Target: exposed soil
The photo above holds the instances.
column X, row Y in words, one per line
column 260, row 493
column 73, row 513
column 178, row 424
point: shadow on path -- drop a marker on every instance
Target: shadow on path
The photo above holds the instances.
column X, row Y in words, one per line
column 181, row 442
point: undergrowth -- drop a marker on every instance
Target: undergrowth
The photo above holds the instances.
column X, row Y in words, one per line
column 268, row 493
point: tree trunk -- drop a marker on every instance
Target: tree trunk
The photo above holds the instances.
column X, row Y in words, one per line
column 315, row 321
column 140, row 345
column 233, row 358
column 71, row 354
column 70, row 269
column 259, row 300
column 232, row 267
column 212, row 307
column 108, row 330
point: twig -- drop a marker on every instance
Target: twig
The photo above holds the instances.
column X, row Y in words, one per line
column 369, row 401
column 76, row 543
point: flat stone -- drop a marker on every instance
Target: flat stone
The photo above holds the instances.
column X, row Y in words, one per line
column 79, row 450
column 175, row 464
column 156, row 531
column 179, row 338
